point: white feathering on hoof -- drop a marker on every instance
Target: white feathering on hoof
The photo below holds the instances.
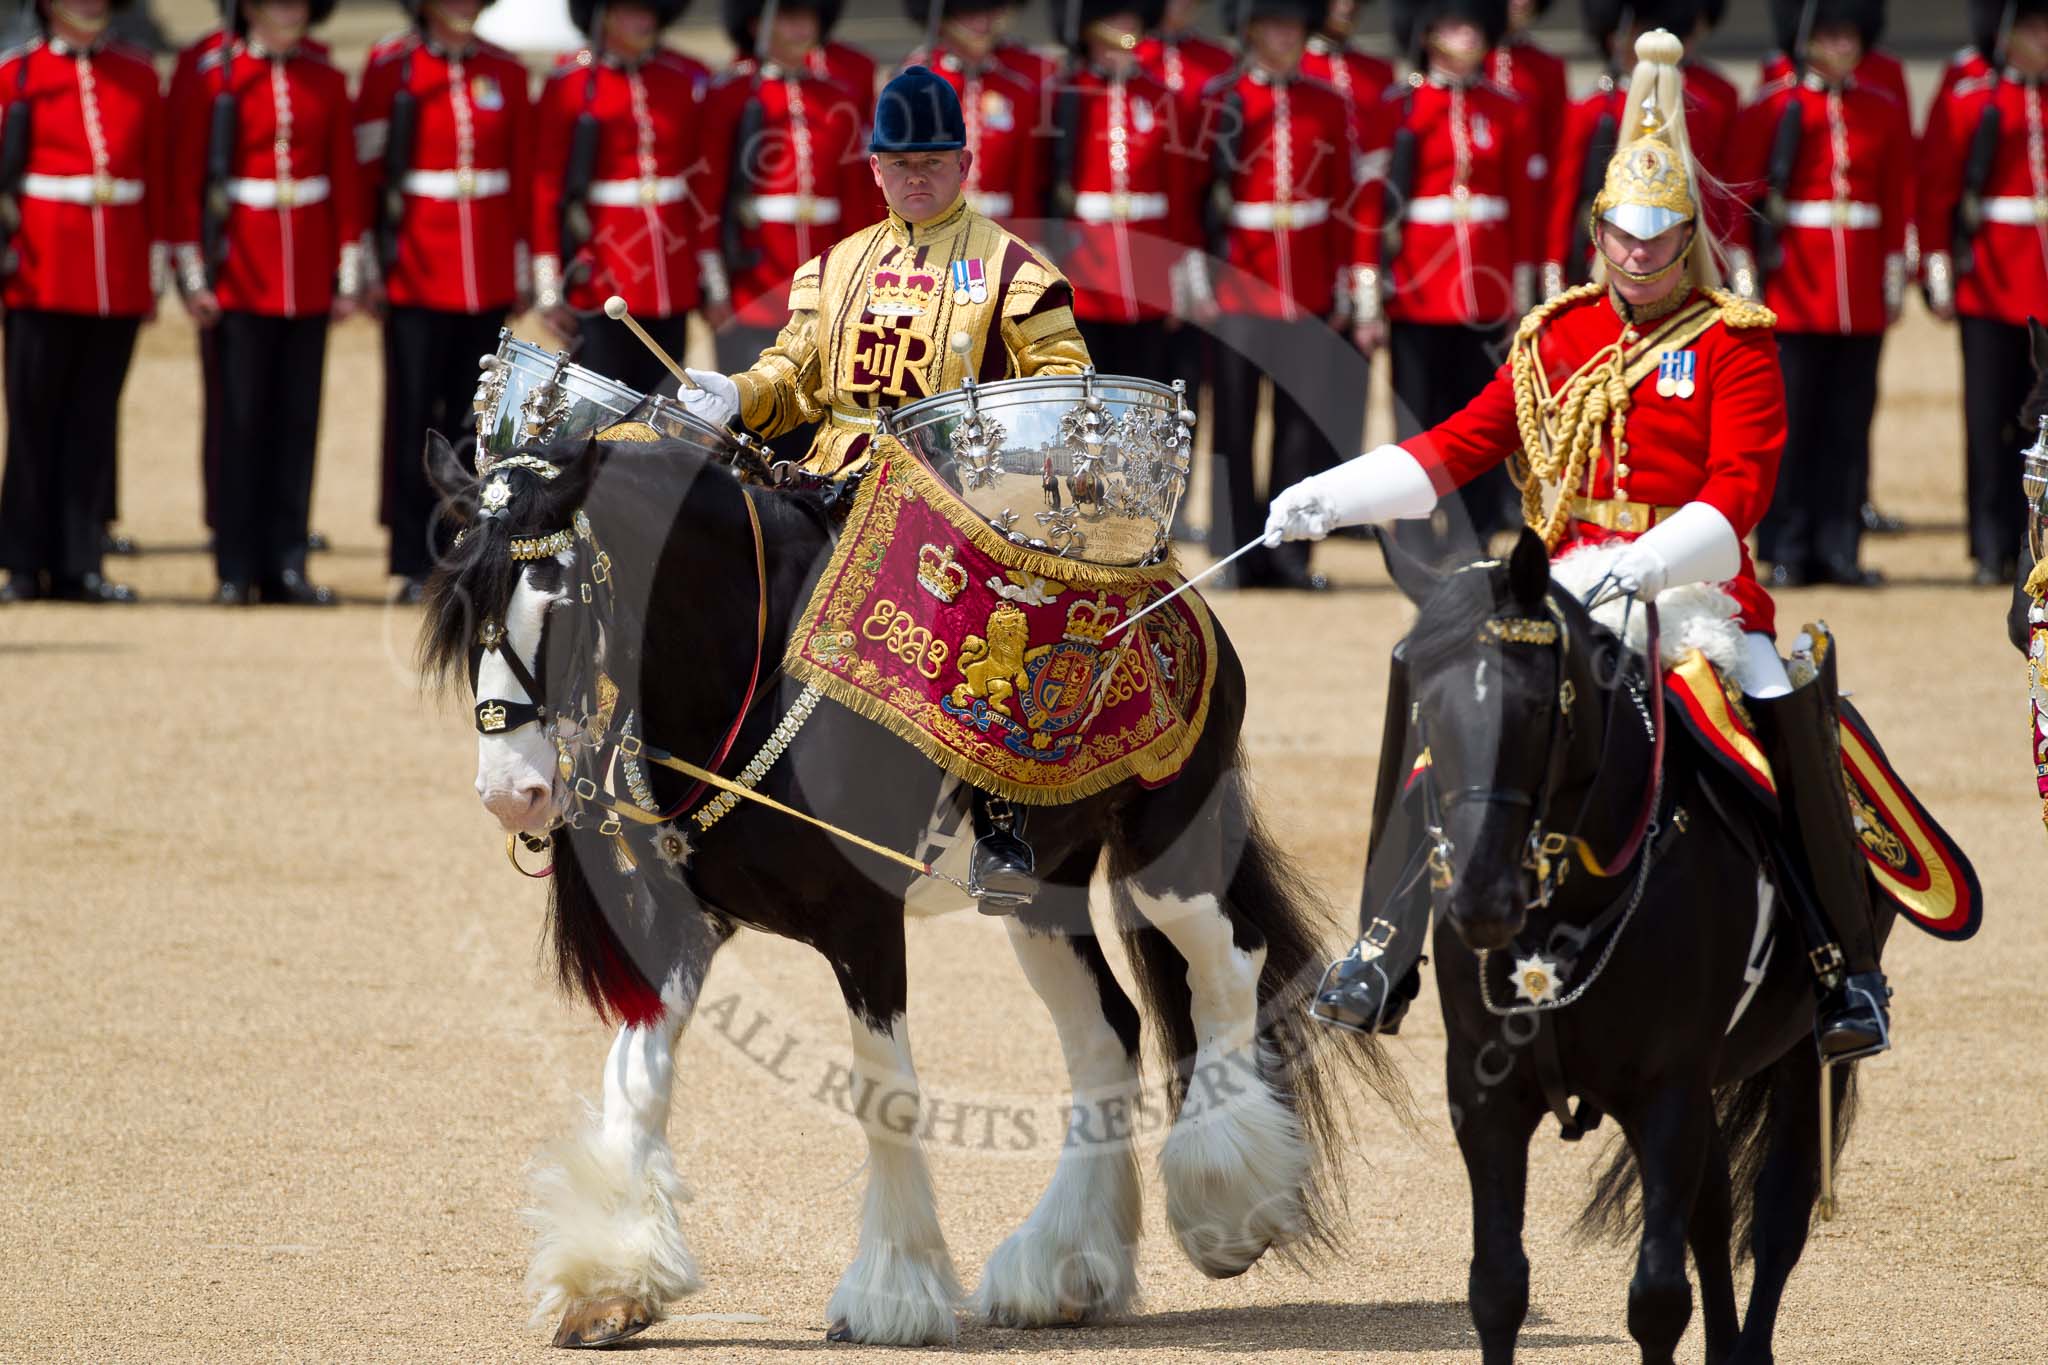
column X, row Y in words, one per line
column 1236, row 1166
column 1694, row 616
column 604, row 1223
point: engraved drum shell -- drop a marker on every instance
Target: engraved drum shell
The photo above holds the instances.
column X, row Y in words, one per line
column 1088, row 466
column 526, row 393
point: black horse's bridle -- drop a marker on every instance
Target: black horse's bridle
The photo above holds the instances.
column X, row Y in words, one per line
column 1544, row 850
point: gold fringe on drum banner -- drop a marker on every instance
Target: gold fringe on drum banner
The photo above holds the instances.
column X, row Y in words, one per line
column 994, row 659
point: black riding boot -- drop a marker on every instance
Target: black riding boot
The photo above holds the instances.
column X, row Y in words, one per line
column 1003, row 873
column 1824, row 862
column 1369, row 989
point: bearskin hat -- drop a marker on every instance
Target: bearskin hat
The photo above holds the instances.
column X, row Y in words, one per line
column 318, row 12
column 1085, row 14
column 1988, row 20
column 1602, row 19
column 1714, row 11
column 1788, row 17
column 920, row 11
column 584, row 13
column 736, row 17
column 1411, row 19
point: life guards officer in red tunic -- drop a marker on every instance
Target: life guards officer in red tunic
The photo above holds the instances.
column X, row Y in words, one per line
column 1825, row 164
column 1115, row 179
column 618, row 191
column 1458, row 237
column 1537, row 75
column 443, row 129
column 268, row 220
column 1702, row 414
column 180, row 103
column 787, row 175
column 81, row 210
column 1591, row 123
column 1287, row 252
column 1983, row 213
column 1006, row 176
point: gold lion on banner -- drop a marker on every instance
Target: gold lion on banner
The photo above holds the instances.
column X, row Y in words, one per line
column 994, row 665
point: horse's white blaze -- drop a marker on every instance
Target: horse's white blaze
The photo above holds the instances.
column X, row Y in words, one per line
column 1075, row 1256
column 604, row 1206
column 512, row 766
column 900, row 1289
column 1236, row 1165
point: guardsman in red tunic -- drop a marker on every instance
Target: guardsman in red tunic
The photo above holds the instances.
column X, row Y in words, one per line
column 787, row 176
column 180, row 103
column 1591, row 121
column 858, row 74
column 1677, row 476
column 1983, row 207
column 1288, row 252
column 81, row 209
column 1826, row 163
column 443, row 137
column 268, row 221
column 1184, row 61
column 1537, row 75
column 1115, row 179
column 1006, row 174
column 1458, row 239
column 618, row 190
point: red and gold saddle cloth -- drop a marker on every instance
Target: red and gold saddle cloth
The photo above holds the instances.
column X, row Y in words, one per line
column 1912, row 860
column 998, row 661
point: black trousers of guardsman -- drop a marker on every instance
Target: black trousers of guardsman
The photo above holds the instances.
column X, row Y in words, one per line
column 1437, row 370
column 1815, row 524
column 270, row 373
column 611, row 349
column 1318, row 382
column 1998, row 374
column 64, row 374
column 430, row 376
column 738, row 347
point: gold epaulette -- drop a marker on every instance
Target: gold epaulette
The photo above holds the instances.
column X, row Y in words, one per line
column 1533, row 320
column 1738, row 312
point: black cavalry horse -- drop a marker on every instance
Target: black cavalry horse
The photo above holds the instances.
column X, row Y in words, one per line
column 704, row 575
column 1538, row 722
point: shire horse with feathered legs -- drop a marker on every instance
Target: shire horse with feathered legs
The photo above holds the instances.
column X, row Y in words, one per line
column 700, row 570
column 1655, row 989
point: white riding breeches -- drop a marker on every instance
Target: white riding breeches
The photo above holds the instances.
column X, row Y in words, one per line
column 1763, row 672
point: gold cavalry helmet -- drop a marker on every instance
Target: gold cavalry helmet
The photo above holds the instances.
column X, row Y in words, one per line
column 1649, row 187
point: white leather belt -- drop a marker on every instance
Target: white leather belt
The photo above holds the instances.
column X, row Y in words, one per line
column 1273, row 216
column 1441, row 210
column 990, row 205
column 278, row 194
column 2016, row 210
column 792, row 208
column 1832, row 213
column 458, row 184
column 626, row 194
column 1095, row 206
column 81, row 189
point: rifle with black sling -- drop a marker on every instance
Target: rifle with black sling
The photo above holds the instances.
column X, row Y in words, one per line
column 1976, row 171
column 401, row 138
column 17, row 134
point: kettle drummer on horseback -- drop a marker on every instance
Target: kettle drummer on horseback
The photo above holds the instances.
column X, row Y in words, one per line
column 1645, row 409
column 933, row 295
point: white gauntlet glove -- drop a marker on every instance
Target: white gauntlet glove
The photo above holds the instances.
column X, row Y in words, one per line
column 1380, row 485
column 716, row 399
column 1697, row 545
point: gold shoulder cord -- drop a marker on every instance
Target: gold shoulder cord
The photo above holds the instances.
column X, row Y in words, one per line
column 1560, row 429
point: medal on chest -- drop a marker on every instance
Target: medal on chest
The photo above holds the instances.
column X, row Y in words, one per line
column 485, row 94
column 970, row 282
column 1675, row 374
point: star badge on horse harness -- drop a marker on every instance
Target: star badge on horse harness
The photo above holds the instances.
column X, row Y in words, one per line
column 1537, row 978
column 497, row 495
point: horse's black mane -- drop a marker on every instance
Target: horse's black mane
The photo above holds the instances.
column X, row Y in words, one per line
column 1449, row 620
column 634, row 505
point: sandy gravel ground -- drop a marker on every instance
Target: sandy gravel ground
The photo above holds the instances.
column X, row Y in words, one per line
column 278, row 1048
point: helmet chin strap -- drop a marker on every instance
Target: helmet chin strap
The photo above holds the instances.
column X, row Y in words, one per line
column 1677, row 262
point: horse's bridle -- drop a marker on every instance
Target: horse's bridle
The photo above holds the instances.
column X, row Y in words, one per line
column 1543, row 851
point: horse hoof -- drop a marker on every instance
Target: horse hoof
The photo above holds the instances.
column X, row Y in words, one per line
column 600, row 1322
column 839, row 1331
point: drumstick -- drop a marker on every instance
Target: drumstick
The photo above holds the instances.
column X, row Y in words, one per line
column 1138, row 616
column 615, row 309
